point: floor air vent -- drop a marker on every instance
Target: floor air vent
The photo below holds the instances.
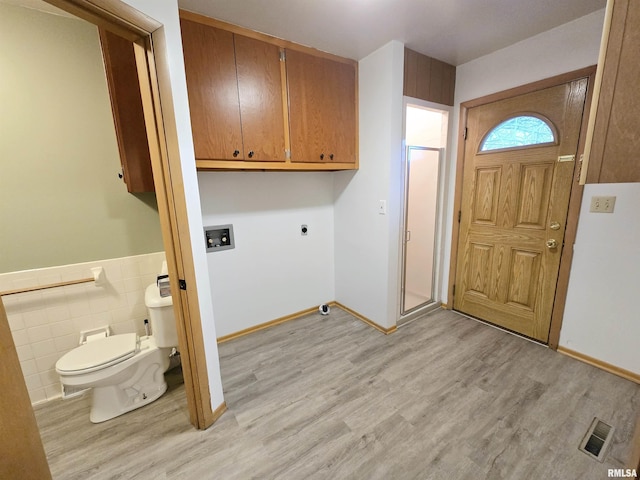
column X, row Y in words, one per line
column 596, row 442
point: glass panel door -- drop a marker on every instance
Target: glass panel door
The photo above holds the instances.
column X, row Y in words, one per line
column 421, row 210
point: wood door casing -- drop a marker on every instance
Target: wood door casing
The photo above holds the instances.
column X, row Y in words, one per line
column 505, row 273
column 260, row 96
column 212, row 87
column 23, row 456
column 613, row 155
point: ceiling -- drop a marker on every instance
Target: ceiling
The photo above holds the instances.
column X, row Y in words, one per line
column 454, row 31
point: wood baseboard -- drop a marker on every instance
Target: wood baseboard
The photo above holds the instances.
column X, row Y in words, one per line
column 302, row 313
column 634, row 461
column 607, row 367
column 217, row 413
column 262, row 326
column 364, row 319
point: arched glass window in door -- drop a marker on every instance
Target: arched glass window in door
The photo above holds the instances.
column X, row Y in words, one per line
column 519, row 131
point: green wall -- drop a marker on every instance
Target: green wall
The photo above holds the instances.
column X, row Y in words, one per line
column 61, row 200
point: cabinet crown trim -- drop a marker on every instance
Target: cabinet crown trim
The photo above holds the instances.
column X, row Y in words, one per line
column 230, row 27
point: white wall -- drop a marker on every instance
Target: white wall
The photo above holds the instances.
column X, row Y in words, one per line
column 174, row 97
column 568, row 47
column 601, row 315
column 273, row 271
column 425, row 127
column 367, row 243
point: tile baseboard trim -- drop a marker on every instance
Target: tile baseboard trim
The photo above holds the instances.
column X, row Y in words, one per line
column 607, row 367
column 262, row 326
column 364, row 319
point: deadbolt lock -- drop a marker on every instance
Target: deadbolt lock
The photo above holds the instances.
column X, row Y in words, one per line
column 554, row 226
column 552, row 243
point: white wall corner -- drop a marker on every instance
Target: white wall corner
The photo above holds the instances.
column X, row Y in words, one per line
column 364, row 242
column 395, row 204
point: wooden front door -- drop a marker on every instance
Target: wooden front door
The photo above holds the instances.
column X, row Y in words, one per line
column 514, row 209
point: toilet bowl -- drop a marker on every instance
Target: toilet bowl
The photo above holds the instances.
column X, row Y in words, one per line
column 125, row 371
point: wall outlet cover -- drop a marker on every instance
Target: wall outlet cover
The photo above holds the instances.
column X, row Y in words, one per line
column 602, row 204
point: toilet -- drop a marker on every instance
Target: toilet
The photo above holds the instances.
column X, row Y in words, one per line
column 125, row 371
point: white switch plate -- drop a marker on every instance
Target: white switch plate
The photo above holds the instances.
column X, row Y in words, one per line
column 382, row 207
column 602, row 204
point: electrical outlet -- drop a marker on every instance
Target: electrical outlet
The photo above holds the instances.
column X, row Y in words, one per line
column 602, row 204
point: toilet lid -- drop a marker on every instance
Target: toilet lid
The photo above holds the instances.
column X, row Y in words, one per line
column 98, row 354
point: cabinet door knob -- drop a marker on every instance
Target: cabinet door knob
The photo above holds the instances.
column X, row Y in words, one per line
column 331, row 156
column 236, row 153
column 322, row 156
column 250, row 153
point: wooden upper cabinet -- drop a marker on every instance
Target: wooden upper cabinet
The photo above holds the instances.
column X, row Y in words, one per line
column 322, row 108
column 235, row 95
column 263, row 103
column 212, row 86
column 128, row 116
column 616, row 138
column 261, row 99
column 428, row 79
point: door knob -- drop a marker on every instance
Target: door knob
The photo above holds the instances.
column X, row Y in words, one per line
column 554, row 226
column 251, row 154
column 552, row 243
column 236, row 153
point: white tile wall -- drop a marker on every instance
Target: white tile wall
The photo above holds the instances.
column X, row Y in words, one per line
column 46, row 324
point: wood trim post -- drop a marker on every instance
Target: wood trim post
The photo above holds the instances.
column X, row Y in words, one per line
column 23, row 455
column 144, row 32
column 165, row 160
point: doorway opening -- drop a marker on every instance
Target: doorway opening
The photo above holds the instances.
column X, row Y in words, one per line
column 517, row 205
column 426, row 128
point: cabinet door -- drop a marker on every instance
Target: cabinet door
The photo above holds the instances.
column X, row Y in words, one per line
column 341, row 86
column 128, row 116
column 260, row 92
column 308, row 122
column 212, row 88
column 321, row 108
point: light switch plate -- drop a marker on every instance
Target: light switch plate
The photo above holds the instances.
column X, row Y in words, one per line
column 382, row 207
column 602, row 204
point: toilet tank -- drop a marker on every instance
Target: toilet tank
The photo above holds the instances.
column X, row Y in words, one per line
column 161, row 317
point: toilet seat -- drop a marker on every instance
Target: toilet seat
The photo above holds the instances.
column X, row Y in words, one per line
column 98, row 354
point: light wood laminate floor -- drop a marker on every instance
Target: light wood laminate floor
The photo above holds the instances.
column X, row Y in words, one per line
column 445, row 397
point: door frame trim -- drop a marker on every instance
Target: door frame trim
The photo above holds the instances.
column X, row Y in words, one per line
column 150, row 47
column 575, row 199
column 405, row 217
